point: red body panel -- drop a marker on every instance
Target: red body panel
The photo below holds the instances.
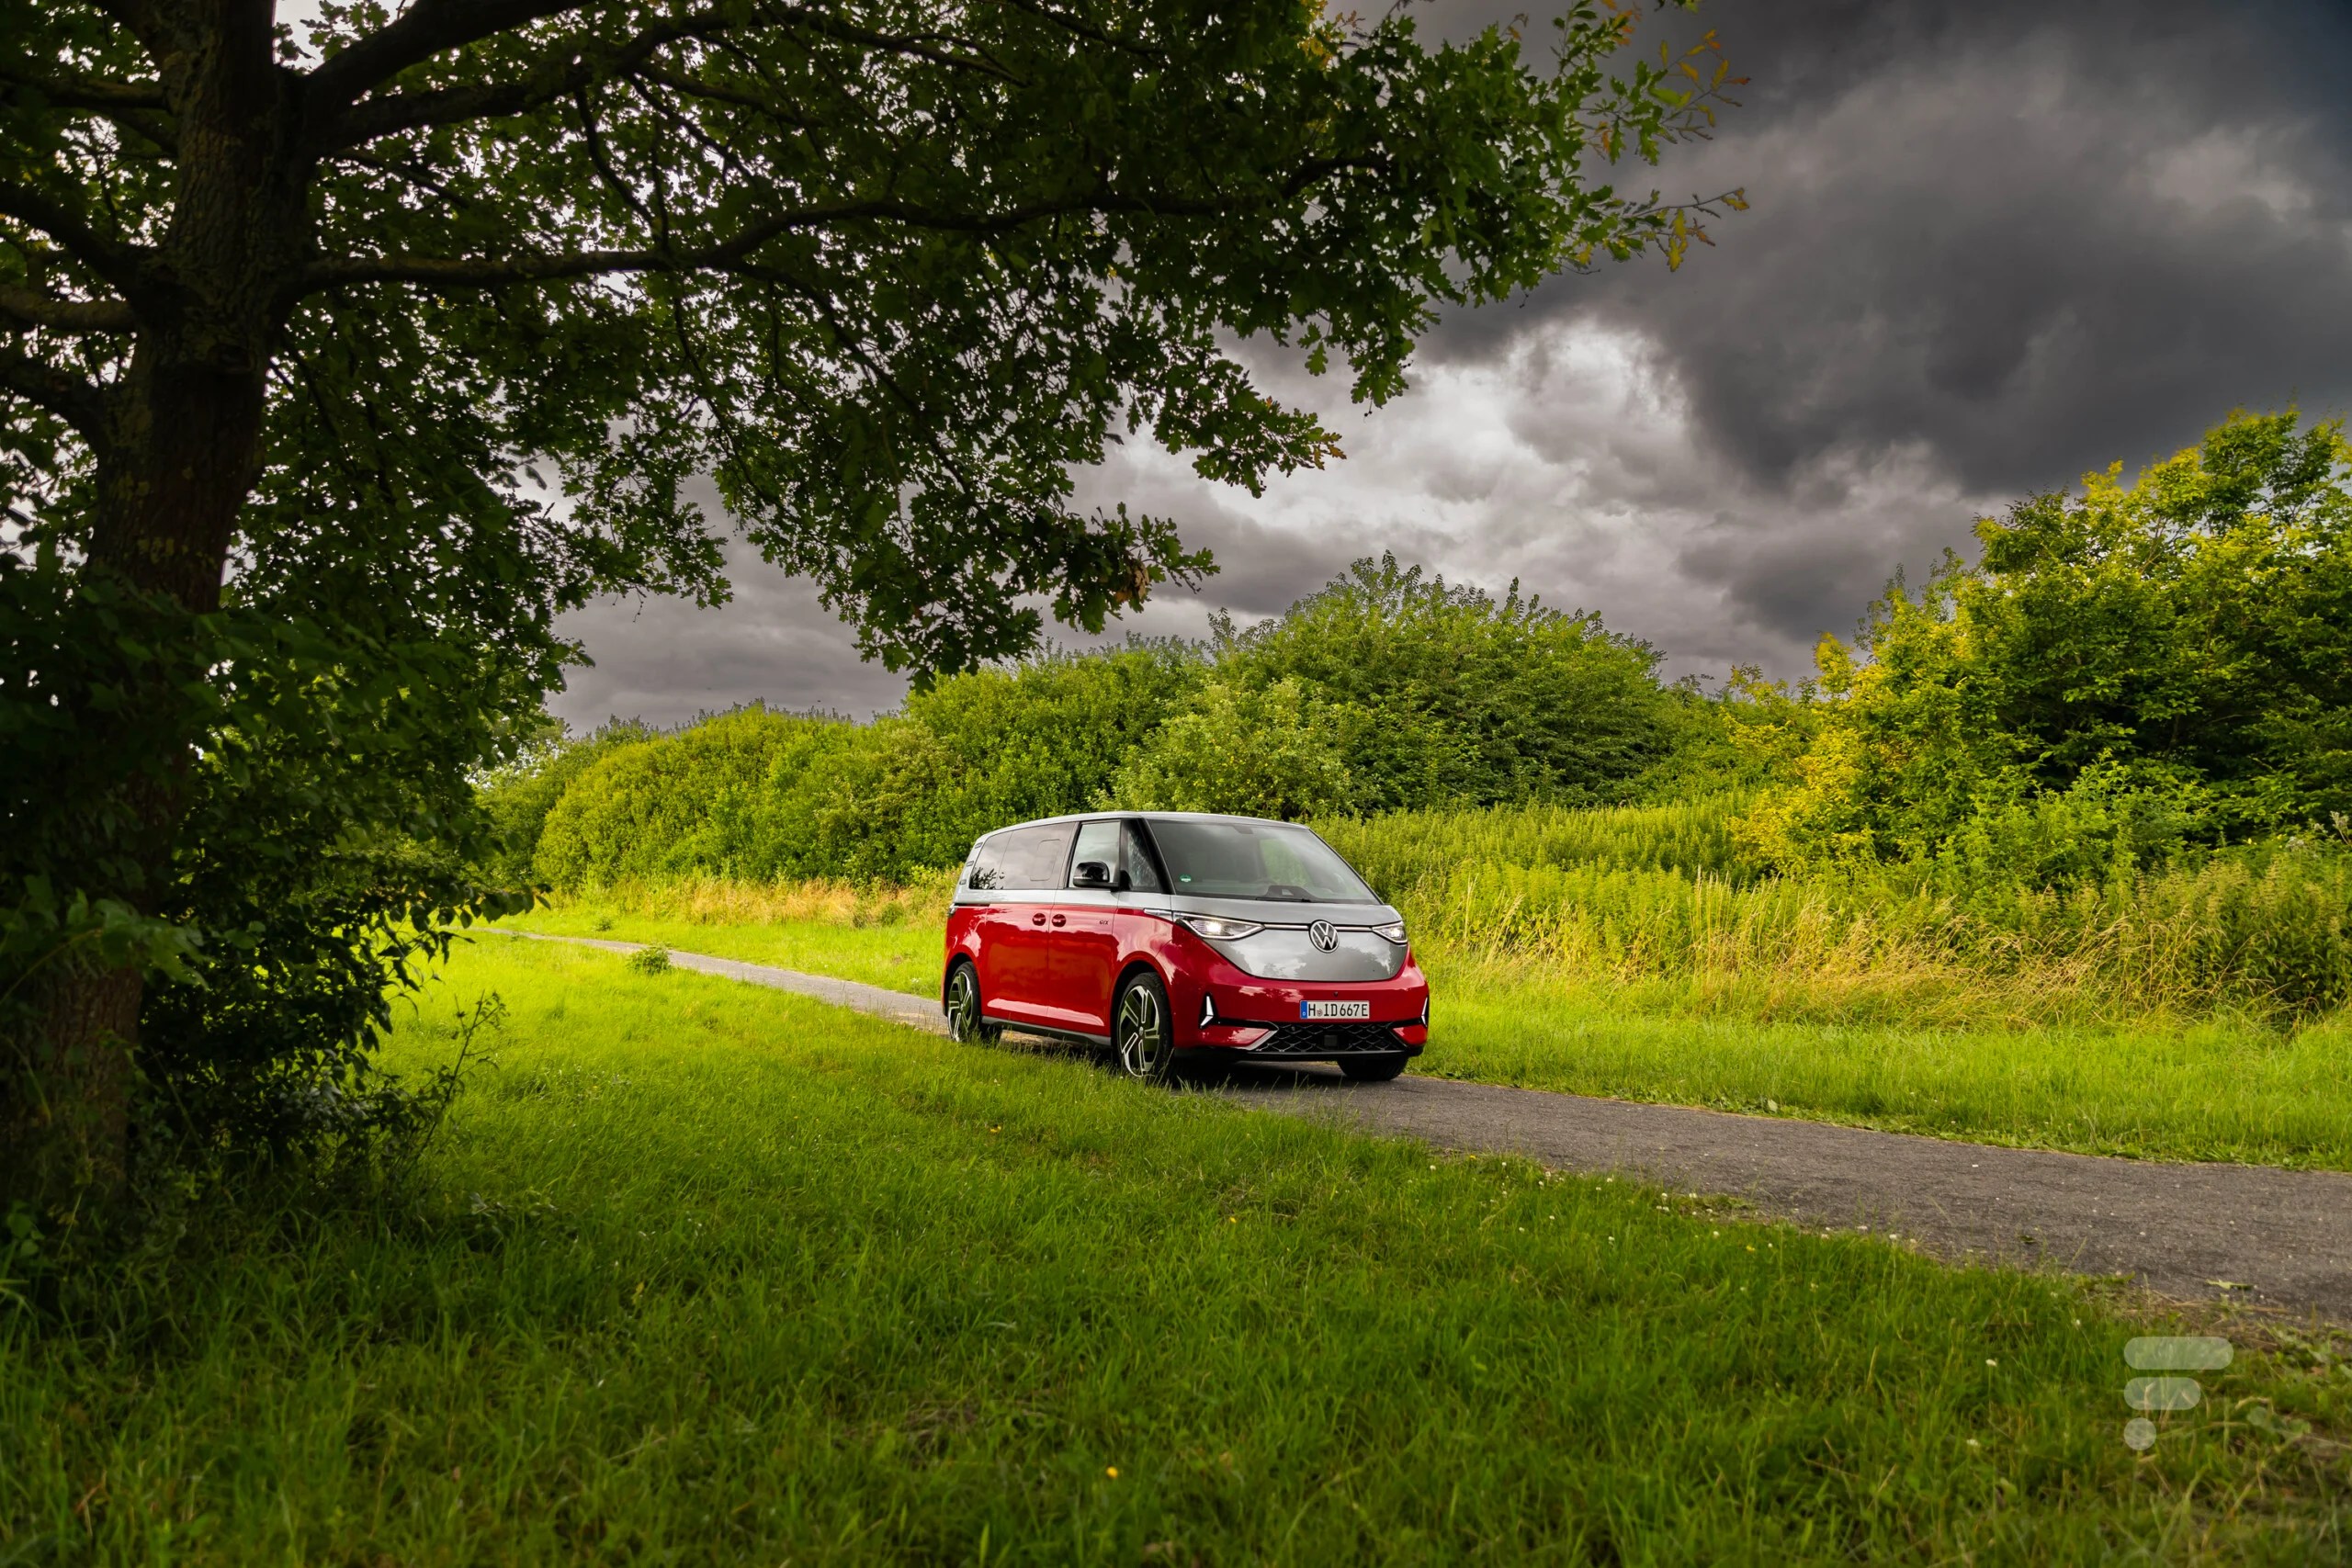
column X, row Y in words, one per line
column 1057, row 966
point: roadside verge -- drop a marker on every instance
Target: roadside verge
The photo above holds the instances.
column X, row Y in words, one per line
column 2246, row 1234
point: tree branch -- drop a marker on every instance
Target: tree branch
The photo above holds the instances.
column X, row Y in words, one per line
column 31, row 308
column 1080, row 27
column 484, row 272
column 137, row 106
column 426, row 28
column 117, row 261
column 563, row 72
column 76, row 399
column 468, row 272
column 933, row 47
column 73, row 90
column 711, row 92
column 416, row 175
column 567, row 69
column 143, row 20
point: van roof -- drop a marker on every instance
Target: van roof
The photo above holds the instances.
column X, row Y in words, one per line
column 1124, row 815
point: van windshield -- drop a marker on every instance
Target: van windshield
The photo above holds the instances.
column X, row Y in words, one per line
column 1254, row 860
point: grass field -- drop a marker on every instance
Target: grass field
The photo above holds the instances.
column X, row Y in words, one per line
column 700, row 1272
column 903, row 955
column 2213, row 1088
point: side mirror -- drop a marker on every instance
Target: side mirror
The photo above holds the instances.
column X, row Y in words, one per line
column 1091, row 874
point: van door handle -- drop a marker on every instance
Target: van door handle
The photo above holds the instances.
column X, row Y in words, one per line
column 1061, row 920
column 1037, row 920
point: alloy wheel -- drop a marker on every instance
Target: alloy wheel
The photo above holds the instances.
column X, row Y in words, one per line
column 1142, row 1035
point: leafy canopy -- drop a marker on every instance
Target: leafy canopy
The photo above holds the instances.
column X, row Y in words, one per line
column 2125, row 669
column 885, row 269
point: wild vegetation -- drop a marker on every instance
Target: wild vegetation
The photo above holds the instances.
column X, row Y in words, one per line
column 708, row 1273
column 2125, row 674
column 1948, row 1052
column 1240, row 723
column 1939, row 832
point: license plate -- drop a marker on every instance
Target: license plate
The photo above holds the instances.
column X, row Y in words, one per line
column 1321, row 1010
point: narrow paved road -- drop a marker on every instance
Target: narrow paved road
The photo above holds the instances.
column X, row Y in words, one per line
column 2277, row 1237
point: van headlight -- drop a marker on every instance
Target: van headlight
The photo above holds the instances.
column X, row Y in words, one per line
column 1394, row 932
column 1218, row 930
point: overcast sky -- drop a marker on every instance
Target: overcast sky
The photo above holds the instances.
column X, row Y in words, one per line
column 1992, row 245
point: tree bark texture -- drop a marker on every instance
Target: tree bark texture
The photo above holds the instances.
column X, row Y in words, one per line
column 65, row 1115
column 180, row 452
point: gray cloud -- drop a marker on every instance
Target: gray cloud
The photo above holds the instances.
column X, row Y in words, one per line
column 1992, row 245
column 2030, row 237
column 664, row 660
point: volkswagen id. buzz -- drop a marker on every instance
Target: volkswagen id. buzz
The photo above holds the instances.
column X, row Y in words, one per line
column 1169, row 937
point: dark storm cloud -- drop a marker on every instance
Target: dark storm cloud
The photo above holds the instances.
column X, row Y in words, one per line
column 2008, row 241
column 1993, row 244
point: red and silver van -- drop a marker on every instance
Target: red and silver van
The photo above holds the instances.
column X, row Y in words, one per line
column 1166, row 936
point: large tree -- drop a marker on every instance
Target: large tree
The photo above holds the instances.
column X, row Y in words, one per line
column 336, row 365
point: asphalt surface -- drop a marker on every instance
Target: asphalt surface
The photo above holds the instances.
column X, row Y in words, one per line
column 2249, row 1234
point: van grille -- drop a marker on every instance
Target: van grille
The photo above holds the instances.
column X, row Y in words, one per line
column 1326, row 1039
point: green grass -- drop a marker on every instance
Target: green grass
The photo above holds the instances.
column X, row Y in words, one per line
column 2210, row 1088
column 902, row 956
column 1657, row 894
column 700, row 1272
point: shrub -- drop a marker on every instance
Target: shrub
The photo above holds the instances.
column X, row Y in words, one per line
column 1452, row 696
column 1260, row 751
column 2127, row 672
column 519, row 797
column 703, row 799
column 1044, row 737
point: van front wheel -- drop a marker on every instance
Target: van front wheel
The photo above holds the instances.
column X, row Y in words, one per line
column 1143, row 1037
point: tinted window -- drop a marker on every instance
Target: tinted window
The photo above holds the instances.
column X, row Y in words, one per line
column 1120, row 847
column 985, row 870
column 1098, row 842
column 1255, row 859
column 1135, row 856
column 1033, row 857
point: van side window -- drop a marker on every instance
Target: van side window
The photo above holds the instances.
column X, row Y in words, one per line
column 1135, row 857
column 1098, row 842
column 1032, row 858
column 985, row 870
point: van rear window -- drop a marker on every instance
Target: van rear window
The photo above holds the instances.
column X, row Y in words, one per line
column 1022, row 858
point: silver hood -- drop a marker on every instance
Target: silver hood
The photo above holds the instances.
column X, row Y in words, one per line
column 1284, row 950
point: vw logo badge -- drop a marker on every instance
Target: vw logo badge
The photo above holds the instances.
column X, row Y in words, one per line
column 1324, row 938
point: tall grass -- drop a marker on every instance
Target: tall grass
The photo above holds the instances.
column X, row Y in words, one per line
column 1401, row 848
column 1655, row 894
column 722, row 901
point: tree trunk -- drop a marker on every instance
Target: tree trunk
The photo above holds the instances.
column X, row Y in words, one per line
column 188, row 440
column 183, row 449
column 65, row 1119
